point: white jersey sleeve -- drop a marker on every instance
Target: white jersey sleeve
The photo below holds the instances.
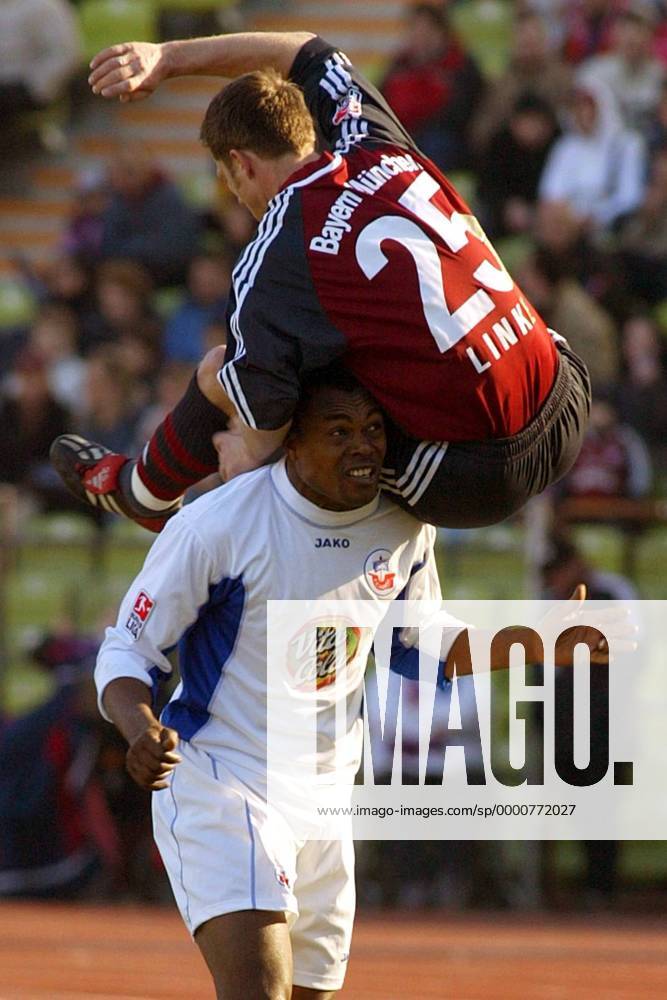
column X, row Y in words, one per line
column 438, row 629
column 162, row 602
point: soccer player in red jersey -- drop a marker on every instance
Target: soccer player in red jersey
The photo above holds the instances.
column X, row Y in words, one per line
column 364, row 252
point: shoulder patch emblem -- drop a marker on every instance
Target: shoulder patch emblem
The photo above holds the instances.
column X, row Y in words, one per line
column 140, row 613
column 348, row 106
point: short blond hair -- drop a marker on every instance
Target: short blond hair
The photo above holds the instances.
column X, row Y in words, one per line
column 261, row 112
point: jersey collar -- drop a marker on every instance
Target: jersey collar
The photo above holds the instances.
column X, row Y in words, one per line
column 303, row 175
column 310, row 511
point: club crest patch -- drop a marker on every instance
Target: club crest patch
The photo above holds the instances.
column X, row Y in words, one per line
column 348, row 106
column 378, row 573
column 140, row 613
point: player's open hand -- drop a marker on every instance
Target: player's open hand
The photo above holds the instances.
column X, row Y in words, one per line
column 130, row 71
column 152, row 757
column 595, row 629
column 233, row 455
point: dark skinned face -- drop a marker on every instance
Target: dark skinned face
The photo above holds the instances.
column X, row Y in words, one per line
column 335, row 459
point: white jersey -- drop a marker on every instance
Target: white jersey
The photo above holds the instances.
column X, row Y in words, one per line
column 205, row 586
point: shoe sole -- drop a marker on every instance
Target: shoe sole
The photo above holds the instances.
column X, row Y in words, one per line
column 70, row 450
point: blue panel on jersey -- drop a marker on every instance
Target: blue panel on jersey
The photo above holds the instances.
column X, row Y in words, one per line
column 157, row 677
column 202, row 652
column 404, row 660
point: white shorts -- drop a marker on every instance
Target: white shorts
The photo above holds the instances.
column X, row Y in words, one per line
column 225, row 851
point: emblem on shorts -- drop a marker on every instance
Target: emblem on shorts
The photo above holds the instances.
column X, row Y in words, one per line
column 140, row 613
column 379, row 576
column 281, row 877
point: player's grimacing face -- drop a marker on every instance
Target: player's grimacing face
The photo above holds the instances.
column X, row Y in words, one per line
column 336, row 457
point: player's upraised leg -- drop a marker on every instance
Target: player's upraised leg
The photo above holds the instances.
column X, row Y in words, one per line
column 248, row 954
column 148, row 490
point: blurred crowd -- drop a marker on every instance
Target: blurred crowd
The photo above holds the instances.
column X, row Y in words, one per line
column 563, row 157
column 134, row 299
column 40, row 52
column 561, row 152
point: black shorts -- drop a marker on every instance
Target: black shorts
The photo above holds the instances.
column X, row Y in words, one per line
column 469, row 484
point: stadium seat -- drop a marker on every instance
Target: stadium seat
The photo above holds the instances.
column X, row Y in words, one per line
column 104, row 22
column 17, row 305
column 166, row 301
column 375, row 69
column 49, row 124
column 660, row 313
column 485, row 30
column 196, row 6
column 465, row 183
column 514, row 250
column 198, row 189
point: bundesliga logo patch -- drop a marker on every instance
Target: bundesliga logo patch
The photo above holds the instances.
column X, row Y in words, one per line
column 140, row 613
column 348, row 106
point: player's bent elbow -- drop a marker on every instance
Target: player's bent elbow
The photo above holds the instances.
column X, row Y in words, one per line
column 208, row 381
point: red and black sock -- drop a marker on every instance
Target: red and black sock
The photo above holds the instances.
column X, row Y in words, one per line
column 180, row 453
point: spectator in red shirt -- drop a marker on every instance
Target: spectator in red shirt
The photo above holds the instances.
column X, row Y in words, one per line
column 433, row 86
column 588, row 29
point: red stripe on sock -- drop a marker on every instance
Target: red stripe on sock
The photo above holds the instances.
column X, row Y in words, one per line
column 184, row 457
column 158, row 492
column 179, row 482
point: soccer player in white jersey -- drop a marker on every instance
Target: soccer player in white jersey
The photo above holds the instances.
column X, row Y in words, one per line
column 271, row 913
column 272, row 917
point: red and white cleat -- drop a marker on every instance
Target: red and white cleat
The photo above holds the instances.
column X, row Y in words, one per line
column 100, row 477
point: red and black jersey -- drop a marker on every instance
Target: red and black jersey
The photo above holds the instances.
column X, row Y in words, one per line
column 370, row 254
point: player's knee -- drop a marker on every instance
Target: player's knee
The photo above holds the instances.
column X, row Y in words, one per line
column 207, row 373
column 253, row 983
column 248, row 954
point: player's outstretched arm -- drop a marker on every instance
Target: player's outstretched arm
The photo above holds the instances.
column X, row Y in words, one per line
column 576, row 626
column 151, row 756
column 131, row 71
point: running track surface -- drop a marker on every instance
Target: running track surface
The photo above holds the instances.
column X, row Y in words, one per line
column 65, row 952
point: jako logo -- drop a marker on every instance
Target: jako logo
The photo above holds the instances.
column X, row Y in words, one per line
column 379, row 577
column 332, row 543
